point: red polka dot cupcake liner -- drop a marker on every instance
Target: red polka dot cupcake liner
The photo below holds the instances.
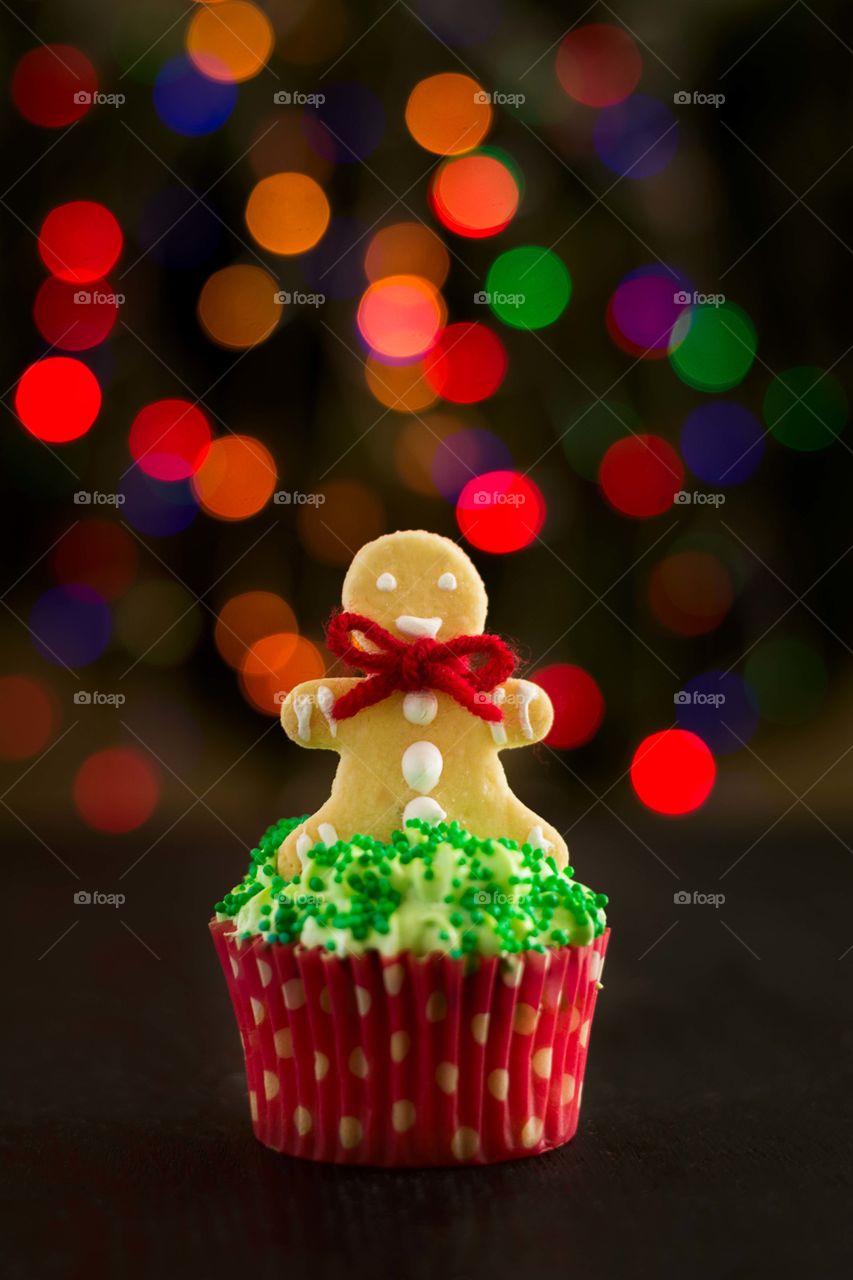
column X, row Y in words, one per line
column 412, row 1061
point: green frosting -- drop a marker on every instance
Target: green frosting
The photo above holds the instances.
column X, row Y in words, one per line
column 431, row 888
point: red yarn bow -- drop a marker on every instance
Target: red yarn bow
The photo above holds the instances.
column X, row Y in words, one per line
column 424, row 664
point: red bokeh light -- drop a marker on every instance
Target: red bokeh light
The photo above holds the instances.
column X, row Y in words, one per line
column 28, row 717
column 170, row 439
column 74, row 319
column 474, row 196
column 53, row 85
column 99, row 554
column 578, row 704
column 500, row 511
column 468, row 363
column 116, row 790
column 673, row 771
column 598, row 64
column 640, row 476
column 400, row 316
column 80, row 242
column 58, row 399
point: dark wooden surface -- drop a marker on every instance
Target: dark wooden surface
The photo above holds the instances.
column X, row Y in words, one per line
column 714, row 1142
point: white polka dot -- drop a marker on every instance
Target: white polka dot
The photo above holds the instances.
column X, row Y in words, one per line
column 542, row 1059
column 283, row 1041
column 259, row 1011
column 480, row 1027
column 512, row 971
column 498, row 1083
column 400, row 1042
column 596, row 964
column 253, row 1104
column 447, row 1076
column 325, row 1000
column 436, row 1007
column 574, row 1018
column 402, row 1116
column 362, row 999
column 524, row 1019
column 265, row 973
column 392, row 978
column 567, row 1089
column 465, row 1143
column 351, row 1132
column 303, row 1120
column 271, row 1085
column 294, row 993
column 532, row 1132
column 321, row 1065
column 358, row 1063
column 235, row 968
column 583, row 1034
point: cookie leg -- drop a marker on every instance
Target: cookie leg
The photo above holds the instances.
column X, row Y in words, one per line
column 528, row 828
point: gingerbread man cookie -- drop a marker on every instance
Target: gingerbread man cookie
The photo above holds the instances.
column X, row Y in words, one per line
column 419, row 736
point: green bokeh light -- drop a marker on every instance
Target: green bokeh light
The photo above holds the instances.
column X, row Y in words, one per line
column 592, row 429
column 528, row 287
column 712, row 348
column 789, row 679
column 805, row 408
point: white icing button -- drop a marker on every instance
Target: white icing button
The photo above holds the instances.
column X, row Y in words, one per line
column 386, row 582
column 425, row 809
column 328, row 834
column 537, row 839
column 447, row 582
column 411, row 625
column 422, row 766
column 420, row 708
column 302, row 707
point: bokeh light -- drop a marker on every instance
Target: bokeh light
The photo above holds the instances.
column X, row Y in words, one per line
column 789, row 678
column 713, row 347
column 402, row 387
column 349, row 515
column 500, row 511
column 460, row 455
column 247, row 618
column 311, row 33
column 528, row 287
column 591, row 430
column 98, row 553
column 190, row 103
column 636, row 138
column 138, row 35
column 238, row 306
column 158, row 508
column 644, row 309
column 474, row 195
column 448, row 114
column 347, row 126
column 158, row 622
column 598, row 64
column 407, row 248
column 71, row 625
column 116, row 790
column 280, row 146
column 640, row 476
column 231, row 41
column 178, row 229
column 74, row 319
column 53, row 85
column 805, row 408
column 29, row 717
column 273, row 665
column 80, row 241
column 170, row 439
column 720, row 708
column 722, row 442
column 58, row 399
column 690, row 592
column 673, row 771
column 467, row 363
column 400, row 316
column 461, row 25
column 287, row 213
column 334, row 267
column 236, row 479
column 415, row 447
column 577, row 700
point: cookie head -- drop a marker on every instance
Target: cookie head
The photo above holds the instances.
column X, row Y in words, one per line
column 417, row 584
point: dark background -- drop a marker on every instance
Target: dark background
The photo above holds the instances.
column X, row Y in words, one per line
column 715, row 1134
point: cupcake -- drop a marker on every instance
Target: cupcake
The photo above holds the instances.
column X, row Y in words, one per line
column 413, row 967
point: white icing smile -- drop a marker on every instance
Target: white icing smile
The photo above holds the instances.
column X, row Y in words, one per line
column 410, row 625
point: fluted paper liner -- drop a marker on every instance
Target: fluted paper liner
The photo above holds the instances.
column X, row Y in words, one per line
column 411, row 1061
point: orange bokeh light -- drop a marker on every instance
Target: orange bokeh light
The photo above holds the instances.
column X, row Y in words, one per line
column 280, row 146
column 448, row 113
column 690, row 592
column 231, row 41
column 287, row 213
column 407, row 248
column 400, row 316
column 28, row 717
column 475, row 196
column 236, row 479
column 247, row 618
column 415, row 449
column 273, row 665
column 116, row 790
column 238, row 306
column 349, row 516
column 400, row 386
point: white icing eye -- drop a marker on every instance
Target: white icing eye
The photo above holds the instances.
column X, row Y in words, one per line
column 447, row 582
column 386, row 582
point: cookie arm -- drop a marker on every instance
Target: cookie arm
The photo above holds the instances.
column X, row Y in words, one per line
column 528, row 713
column 306, row 712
